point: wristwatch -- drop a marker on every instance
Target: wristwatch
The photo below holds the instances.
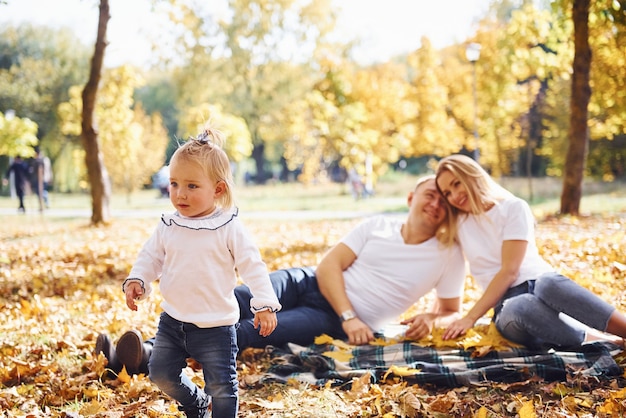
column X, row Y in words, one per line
column 347, row 315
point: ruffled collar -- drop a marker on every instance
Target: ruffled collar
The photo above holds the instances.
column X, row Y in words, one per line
column 216, row 220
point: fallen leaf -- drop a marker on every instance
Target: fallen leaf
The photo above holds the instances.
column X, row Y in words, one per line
column 527, row 410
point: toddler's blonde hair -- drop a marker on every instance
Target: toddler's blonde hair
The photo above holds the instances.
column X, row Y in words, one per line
column 206, row 151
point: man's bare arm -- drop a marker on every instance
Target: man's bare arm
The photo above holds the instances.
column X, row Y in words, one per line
column 330, row 280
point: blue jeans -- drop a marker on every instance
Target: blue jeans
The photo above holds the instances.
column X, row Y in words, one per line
column 528, row 314
column 214, row 348
column 305, row 312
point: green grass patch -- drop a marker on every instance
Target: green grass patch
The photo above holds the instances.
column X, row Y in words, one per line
column 390, row 196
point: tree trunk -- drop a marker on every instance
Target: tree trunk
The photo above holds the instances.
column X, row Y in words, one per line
column 258, row 154
column 578, row 130
column 96, row 171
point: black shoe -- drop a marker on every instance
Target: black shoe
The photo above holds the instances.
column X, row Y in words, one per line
column 130, row 351
column 146, row 350
column 105, row 346
column 200, row 410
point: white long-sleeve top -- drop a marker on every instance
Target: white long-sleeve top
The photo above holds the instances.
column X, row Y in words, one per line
column 197, row 261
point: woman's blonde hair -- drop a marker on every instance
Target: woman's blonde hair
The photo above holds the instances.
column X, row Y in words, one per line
column 206, row 151
column 482, row 190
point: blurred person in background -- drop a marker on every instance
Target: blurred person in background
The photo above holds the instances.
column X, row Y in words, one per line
column 18, row 171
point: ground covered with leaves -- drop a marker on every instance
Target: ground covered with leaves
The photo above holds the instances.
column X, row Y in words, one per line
column 60, row 287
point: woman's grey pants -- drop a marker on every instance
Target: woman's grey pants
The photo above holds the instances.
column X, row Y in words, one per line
column 528, row 314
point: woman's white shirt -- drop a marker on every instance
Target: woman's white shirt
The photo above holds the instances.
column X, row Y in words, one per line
column 481, row 237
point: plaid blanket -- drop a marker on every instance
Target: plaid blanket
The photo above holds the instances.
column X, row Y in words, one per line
column 317, row 365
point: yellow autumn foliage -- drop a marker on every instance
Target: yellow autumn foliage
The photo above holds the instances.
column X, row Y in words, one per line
column 60, row 287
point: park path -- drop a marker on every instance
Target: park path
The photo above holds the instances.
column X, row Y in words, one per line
column 154, row 213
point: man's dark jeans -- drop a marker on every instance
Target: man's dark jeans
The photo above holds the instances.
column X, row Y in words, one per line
column 305, row 313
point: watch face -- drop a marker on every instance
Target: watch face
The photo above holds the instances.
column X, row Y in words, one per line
column 348, row 315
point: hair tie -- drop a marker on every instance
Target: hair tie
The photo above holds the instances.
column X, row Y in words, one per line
column 203, row 137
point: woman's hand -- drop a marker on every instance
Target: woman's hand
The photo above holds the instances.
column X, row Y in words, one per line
column 458, row 328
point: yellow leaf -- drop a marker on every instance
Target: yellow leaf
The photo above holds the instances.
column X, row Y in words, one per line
column 481, row 351
column 570, row 402
column 610, row 407
column 139, row 384
column 327, row 339
column 620, row 394
column 26, row 308
column 323, row 339
column 123, row 376
column 277, row 397
column 486, row 338
column 90, row 391
column 527, row 410
column 378, row 407
column 361, row 384
column 482, row 413
column 382, row 342
column 91, row 408
column 436, row 340
column 401, row 371
column 560, row 389
column 585, row 403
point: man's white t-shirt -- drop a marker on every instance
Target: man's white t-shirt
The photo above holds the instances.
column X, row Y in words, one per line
column 481, row 238
column 389, row 276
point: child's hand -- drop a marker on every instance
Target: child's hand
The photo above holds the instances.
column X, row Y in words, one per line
column 267, row 320
column 133, row 292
